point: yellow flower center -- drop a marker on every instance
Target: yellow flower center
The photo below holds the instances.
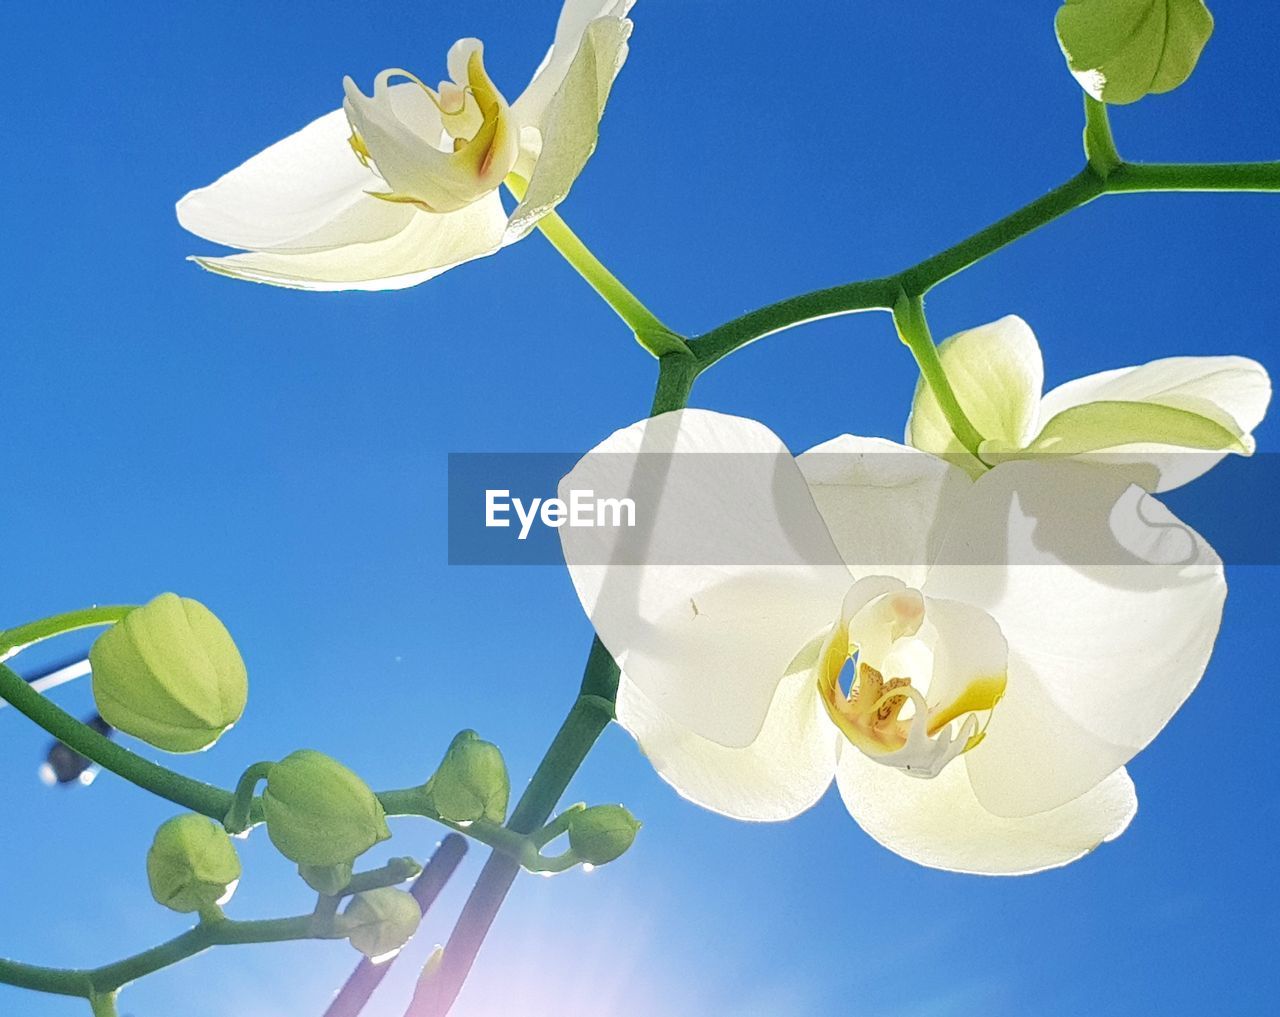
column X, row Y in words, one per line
column 915, row 700
column 439, row 149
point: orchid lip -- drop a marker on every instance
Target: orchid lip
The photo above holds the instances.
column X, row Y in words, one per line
column 891, row 719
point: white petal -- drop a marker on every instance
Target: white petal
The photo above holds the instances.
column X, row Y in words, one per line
column 575, row 16
column 429, row 244
column 940, row 822
column 997, row 373
column 307, row 191
column 1234, row 391
column 783, row 772
column 885, row 503
column 1110, row 607
column 570, row 124
column 727, row 574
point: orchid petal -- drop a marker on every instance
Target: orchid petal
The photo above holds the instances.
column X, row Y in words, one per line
column 942, row 824
column 305, row 192
column 886, row 505
column 1110, row 607
column 570, row 125
column 1164, row 423
column 781, row 773
column 728, row 573
column 575, row 17
column 428, row 244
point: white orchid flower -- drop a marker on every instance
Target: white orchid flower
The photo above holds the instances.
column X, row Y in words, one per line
column 974, row 661
column 1163, row 423
column 397, row 187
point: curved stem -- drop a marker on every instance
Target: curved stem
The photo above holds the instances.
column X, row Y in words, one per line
column 104, row 1004
column 106, row 980
column 239, row 817
column 54, row 981
column 195, row 795
column 359, row 988
column 913, row 330
column 586, row 721
column 17, row 639
column 649, row 330
column 590, row 715
column 1087, row 185
column 414, row 801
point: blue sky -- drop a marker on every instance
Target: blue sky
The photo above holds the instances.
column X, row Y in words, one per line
column 282, row 457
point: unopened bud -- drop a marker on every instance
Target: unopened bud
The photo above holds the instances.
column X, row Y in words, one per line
column 471, row 783
column 169, row 673
column 379, row 922
column 192, row 864
column 602, row 833
column 318, row 812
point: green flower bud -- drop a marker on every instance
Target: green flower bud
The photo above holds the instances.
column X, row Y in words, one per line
column 602, row 833
column 471, row 783
column 192, row 865
column 318, row 812
column 169, row 673
column 330, row 880
column 379, row 922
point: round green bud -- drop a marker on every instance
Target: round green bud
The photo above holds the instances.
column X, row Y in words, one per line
column 471, row 783
column 169, row 673
column 329, row 880
column 318, row 812
column 379, row 922
column 602, row 833
column 192, row 864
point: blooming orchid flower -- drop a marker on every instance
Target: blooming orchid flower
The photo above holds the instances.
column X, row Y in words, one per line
column 1163, row 423
column 974, row 661
column 399, row 186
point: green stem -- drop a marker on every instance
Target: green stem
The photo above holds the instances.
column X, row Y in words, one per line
column 190, row 794
column 584, row 724
column 649, row 330
column 557, row 826
column 105, row 981
column 1137, row 177
column 849, row 298
column 14, row 640
column 104, row 1005
column 201, row 938
column 1087, row 185
column 676, row 374
column 1099, row 145
column 913, row 329
column 1081, row 189
column 54, row 981
column 414, row 801
column 239, row 817
column 395, row 872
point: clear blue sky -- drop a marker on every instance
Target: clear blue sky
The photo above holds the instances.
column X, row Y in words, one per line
column 281, row 456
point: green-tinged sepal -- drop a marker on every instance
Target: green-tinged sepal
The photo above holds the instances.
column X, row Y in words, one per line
column 329, row 880
column 170, row 674
column 471, row 782
column 380, row 922
column 1108, row 424
column 319, row 813
column 602, row 833
column 1122, row 50
column 192, row 865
